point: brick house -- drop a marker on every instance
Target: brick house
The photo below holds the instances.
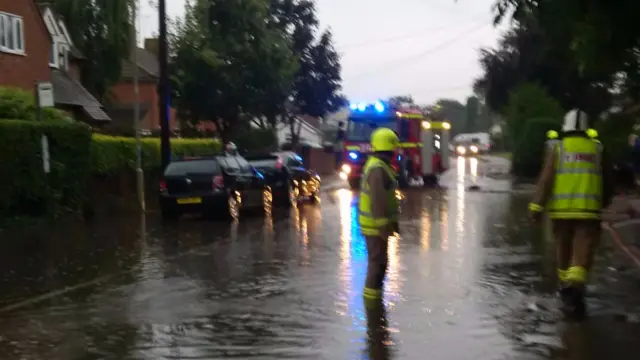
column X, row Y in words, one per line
column 65, row 62
column 35, row 47
column 122, row 108
column 24, row 45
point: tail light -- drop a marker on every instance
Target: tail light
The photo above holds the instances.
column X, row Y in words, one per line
column 217, row 182
column 163, row 185
column 279, row 164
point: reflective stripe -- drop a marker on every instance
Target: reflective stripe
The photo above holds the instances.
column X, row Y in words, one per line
column 575, row 196
column 535, row 207
column 578, row 171
column 352, row 147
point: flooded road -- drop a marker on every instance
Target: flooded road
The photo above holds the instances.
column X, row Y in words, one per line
column 468, row 279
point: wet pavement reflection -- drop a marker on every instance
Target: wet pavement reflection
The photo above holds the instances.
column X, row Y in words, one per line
column 468, row 279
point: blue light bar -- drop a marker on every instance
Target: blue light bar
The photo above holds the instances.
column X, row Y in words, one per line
column 362, row 106
column 379, row 106
column 353, row 156
column 353, row 106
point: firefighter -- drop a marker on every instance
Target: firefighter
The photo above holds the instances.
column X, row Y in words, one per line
column 231, row 149
column 378, row 207
column 574, row 186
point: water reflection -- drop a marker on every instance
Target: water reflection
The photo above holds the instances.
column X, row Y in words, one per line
column 379, row 341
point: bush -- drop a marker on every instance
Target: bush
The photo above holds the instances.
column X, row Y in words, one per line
column 18, row 104
column 255, row 140
column 113, row 154
column 614, row 134
column 24, row 187
column 529, row 153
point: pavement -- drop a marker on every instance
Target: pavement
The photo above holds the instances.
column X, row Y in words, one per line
column 469, row 278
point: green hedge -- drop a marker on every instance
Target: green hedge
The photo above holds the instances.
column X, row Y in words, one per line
column 18, row 104
column 529, row 153
column 24, row 187
column 113, row 154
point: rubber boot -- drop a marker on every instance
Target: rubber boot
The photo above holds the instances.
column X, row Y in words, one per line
column 573, row 303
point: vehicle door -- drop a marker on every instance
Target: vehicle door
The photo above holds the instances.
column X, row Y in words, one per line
column 232, row 174
column 253, row 184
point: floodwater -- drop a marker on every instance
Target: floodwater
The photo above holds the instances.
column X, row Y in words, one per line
column 468, row 279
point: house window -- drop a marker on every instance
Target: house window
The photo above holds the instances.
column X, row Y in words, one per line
column 53, row 55
column 11, row 34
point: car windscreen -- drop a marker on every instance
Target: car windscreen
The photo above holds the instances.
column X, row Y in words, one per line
column 181, row 168
column 362, row 130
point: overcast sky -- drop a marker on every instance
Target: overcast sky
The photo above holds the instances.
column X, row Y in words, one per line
column 426, row 48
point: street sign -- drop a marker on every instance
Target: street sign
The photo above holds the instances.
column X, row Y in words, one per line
column 46, row 161
column 45, row 94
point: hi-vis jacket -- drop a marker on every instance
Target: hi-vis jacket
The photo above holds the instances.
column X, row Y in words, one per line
column 575, row 182
column 370, row 225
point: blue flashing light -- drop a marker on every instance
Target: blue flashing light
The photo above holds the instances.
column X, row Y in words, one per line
column 353, row 106
column 379, row 106
column 362, row 106
column 353, row 156
column 399, row 157
column 297, row 157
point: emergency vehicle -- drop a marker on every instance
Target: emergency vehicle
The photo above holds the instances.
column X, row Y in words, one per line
column 424, row 144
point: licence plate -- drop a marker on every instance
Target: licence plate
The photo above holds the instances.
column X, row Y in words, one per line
column 191, row 200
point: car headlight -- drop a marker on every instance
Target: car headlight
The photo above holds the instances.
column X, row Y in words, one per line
column 346, row 169
column 461, row 150
column 474, row 149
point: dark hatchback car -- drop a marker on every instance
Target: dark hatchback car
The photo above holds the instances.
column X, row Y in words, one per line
column 212, row 185
column 290, row 180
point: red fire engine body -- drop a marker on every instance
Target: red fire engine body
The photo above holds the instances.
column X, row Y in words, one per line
column 424, row 144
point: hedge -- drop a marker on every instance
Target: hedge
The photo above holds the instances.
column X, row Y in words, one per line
column 529, row 152
column 18, row 104
column 24, row 187
column 113, row 154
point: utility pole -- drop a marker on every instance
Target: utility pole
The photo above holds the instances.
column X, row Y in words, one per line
column 163, row 87
column 136, row 116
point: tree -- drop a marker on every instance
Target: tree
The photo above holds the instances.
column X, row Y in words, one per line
column 101, row 30
column 227, row 64
column 317, row 81
column 401, row 100
column 473, row 109
column 527, row 53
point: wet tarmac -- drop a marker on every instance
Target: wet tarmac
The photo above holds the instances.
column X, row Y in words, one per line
column 469, row 278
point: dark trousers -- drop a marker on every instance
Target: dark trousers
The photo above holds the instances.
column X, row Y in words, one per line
column 377, row 261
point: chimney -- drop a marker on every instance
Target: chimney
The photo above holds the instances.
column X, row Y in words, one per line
column 151, row 45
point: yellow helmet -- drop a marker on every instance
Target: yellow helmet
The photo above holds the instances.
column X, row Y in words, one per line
column 592, row 133
column 384, row 139
column 552, row 134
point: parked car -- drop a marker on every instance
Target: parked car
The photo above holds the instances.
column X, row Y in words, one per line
column 287, row 175
column 218, row 184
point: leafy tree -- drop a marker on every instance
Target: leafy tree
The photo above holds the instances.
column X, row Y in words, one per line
column 527, row 102
column 227, row 64
column 472, row 108
column 317, row 81
column 527, row 53
column 401, row 100
column 101, row 30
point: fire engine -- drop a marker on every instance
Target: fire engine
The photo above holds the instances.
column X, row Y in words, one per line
column 424, row 144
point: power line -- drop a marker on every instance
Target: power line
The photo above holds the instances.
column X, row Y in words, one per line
column 393, row 38
column 423, row 53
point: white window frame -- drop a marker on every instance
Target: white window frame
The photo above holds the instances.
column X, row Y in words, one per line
column 18, row 36
column 54, row 53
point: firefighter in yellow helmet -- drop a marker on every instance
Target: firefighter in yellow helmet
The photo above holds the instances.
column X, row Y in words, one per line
column 574, row 186
column 378, row 207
